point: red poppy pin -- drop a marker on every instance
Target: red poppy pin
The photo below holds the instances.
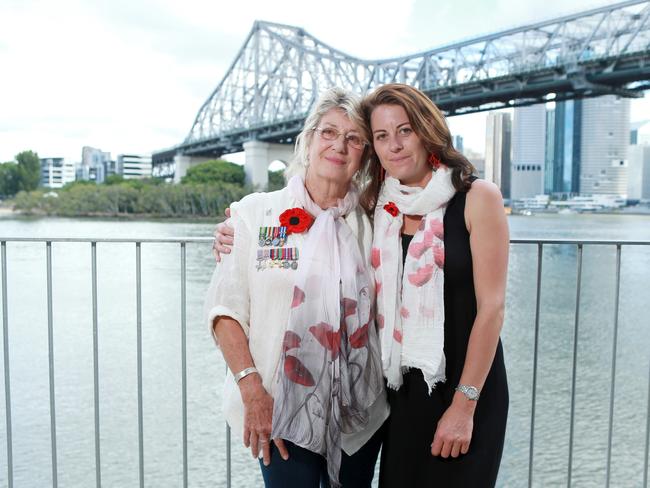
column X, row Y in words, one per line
column 392, row 209
column 296, row 220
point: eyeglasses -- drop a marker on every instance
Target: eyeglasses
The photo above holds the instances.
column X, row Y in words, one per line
column 331, row 134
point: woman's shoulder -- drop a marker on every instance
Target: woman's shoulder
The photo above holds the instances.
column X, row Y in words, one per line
column 484, row 202
column 483, row 191
column 257, row 204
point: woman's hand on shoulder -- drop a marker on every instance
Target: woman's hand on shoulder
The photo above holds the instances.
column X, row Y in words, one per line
column 224, row 235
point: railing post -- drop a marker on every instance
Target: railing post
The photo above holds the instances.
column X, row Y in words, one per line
column 613, row 377
column 575, row 363
column 184, row 358
column 647, row 437
column 50, row 342
column 535, row 351
column 138, row 288
column 5, row 345
column 98, row 469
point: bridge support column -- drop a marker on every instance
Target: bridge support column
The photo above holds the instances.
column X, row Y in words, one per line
column 183, row 163
column 259, row 155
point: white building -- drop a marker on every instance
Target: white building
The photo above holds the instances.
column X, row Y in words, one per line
column 528, row 151
column 638, row 183
column 604, row 146
column 56, row 172
column 497, row 150
column 132, row 166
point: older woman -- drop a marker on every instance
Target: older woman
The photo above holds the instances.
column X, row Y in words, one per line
column 440, row 254
column 292, row 309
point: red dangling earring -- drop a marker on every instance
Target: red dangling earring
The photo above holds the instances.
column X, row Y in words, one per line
column 434, row 161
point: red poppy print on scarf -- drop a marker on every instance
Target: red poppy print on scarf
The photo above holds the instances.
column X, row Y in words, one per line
column 392, row 209
column 291, row 340
column 325, row 335
column 296, row 220
column 417, row 249
column 297, row 372
column 360, row 338
column 437, row 228
column 404, row 312
column 349, row 306
column 375, row 257
column 422, row 275
column 378, row 287
column 439, row 256
column 298, row 297
column 397, row 335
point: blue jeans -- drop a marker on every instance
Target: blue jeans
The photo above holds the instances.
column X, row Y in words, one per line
column 305, row 469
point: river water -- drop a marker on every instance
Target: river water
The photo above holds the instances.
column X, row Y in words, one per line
column 163, row 465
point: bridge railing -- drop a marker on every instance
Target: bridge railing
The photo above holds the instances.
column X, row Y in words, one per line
column 181, row 244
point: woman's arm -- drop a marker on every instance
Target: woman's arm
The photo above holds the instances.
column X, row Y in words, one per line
column 258, row 404
column 227, row 309
column 489, row 241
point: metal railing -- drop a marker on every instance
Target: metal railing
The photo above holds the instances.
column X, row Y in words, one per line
column 182, row 243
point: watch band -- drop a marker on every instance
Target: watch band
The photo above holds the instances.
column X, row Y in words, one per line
column 470, row 392
column 245, row 372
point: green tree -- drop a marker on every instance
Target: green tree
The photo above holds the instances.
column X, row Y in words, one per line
column 215, row 171
column 9, row 179
column 29, row 170
column 113, row 180
column 276, row 180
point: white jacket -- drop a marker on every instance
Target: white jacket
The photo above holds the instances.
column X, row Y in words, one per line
column 260, row 300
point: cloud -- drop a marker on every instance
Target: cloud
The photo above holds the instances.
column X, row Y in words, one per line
column 130, row 75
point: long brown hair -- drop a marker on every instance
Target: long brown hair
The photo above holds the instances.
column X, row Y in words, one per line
column 428, row 122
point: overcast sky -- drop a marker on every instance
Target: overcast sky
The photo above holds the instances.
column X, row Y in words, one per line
column 128, row 76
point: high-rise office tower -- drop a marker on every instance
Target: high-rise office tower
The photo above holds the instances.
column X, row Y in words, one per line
column 564, row 148
column 497, row 150
column 604, row 148
column 548, row 152
column 528, row 151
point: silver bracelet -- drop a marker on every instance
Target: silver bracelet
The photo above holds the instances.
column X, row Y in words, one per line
column 245, row 372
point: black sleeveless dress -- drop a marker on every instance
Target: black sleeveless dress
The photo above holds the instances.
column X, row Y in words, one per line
column 406, row 459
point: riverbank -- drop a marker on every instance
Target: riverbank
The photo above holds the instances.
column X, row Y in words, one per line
column 7, row 212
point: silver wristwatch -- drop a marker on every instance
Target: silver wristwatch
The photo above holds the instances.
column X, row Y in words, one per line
column 471, row 392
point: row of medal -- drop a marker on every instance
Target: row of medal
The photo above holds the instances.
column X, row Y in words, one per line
column 273, row 236
column 283, row 257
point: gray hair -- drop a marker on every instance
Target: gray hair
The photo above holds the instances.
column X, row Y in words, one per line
column 333, row 98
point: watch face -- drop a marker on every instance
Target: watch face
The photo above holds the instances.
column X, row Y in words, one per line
column 472, row 393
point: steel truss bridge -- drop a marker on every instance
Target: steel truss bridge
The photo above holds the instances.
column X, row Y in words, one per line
column 280, row 70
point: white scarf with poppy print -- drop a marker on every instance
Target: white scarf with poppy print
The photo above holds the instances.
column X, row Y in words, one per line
column 410, row 301
column 330, row 372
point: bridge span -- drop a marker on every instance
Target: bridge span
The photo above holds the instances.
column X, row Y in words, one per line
column 279, row 71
